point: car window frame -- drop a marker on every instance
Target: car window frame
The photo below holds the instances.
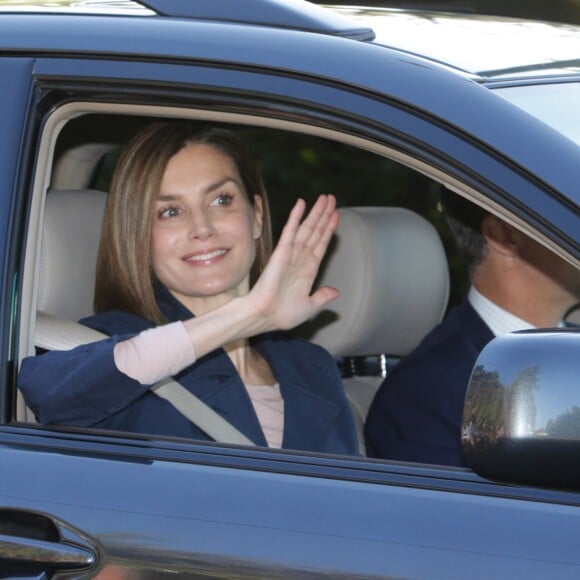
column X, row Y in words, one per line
column 81, row 97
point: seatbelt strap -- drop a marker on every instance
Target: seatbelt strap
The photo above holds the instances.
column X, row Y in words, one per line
column 55, row 333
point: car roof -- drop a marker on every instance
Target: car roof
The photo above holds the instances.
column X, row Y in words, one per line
column 491, row 47
column 295, row 15
column 479, row 44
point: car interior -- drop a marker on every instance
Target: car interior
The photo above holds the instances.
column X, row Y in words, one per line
column 391, row 259
column 407, row 289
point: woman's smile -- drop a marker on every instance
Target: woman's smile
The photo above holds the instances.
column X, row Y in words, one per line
column 206, row 258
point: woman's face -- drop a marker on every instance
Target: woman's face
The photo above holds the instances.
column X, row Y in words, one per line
column 204, row 229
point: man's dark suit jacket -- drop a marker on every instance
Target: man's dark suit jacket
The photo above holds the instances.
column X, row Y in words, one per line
column 417, row 412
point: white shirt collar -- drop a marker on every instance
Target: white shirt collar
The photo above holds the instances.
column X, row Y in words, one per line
column 500, row 321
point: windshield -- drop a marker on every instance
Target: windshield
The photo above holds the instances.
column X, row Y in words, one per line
column 556, row 104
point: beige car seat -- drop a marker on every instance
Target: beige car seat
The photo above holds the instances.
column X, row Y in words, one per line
column 70, row 239
column 391, row 270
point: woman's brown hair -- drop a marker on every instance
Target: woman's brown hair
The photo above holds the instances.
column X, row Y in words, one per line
column 125, row 279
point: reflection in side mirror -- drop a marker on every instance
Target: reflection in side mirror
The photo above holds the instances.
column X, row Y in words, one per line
column 521, row 421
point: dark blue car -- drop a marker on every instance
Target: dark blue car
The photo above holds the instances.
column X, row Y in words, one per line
column 394, row 98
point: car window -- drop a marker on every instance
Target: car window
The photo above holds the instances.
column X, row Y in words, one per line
column 298, row 164
column 293, row 164
column 538, row 99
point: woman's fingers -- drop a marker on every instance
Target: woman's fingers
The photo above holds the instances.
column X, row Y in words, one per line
column 288, row 234
column 322, row 233
column 315, row 219
column 314, row 232
column 322, row 296
column 326, row 235
column 324, row 221
column 300, row 241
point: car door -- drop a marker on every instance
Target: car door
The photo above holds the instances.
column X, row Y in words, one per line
column 116, row 505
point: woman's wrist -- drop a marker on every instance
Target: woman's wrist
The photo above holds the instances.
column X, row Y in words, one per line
column 238, row 319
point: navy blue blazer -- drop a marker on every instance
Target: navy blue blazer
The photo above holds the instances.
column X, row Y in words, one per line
column 83, row 388
column 417, row 412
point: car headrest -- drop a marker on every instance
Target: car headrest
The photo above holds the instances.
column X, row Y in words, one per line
column 72, row 229
column 390, row 268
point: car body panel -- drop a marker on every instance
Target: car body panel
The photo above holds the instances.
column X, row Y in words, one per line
column 14, row 100
column 180, row 516
column 13, row 103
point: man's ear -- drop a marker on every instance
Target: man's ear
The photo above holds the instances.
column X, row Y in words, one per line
column 500, row 236
column 258, row 216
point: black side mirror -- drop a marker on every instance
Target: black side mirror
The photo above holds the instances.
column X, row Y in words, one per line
column 521, row 421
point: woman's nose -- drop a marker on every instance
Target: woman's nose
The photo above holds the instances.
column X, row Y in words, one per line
column 201, row 226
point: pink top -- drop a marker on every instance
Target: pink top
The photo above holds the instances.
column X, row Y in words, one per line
column 163, row 351
column 269, row 407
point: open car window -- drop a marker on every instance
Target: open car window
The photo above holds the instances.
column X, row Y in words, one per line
column 293, row 164
column 393, row 260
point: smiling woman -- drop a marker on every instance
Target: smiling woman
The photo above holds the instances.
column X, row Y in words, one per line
column 186, row 222
column 162, row 170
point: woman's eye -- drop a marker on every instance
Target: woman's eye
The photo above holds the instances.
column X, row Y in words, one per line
column 222, row 200
column 169, row 212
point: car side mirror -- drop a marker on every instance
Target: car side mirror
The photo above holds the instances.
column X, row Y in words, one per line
column 521, row 421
